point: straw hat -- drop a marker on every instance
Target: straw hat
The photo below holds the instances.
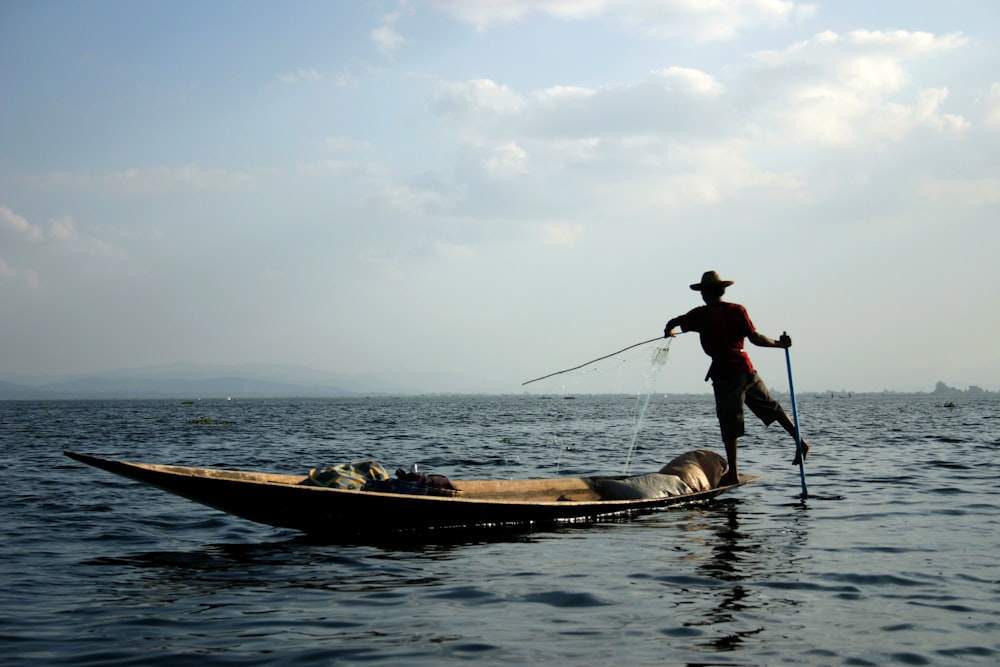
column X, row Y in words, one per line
column 710, row 279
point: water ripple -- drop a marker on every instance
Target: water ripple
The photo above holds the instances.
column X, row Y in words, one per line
column 891, row 560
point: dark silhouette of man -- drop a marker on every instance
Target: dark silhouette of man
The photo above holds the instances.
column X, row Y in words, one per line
column 722, row 327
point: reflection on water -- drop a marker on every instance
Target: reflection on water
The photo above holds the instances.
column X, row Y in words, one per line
column 728, row 545
column 730, row 560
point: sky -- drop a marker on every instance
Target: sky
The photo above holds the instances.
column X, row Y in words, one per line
column 481, row 193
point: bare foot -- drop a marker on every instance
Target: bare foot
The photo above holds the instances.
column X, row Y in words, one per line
column 805, row 453
column 729, row 479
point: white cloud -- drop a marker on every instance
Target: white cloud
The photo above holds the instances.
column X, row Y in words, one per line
column 664, row 176
column 20, row 226
column 344, row 144
column 557, row 94
column 684, row 140
column 161, row 180
column 305, row 74
column 982, row 192
column 926, row 112
column 507, row 160
column 843, row 89
column 155, row 180
column 27, row 276
column 62, row 229
column 558, row 233
column 411, row 201
column 46, row 248
column 455, row 251
column 718, row 171
column 701, row 19
column 992, row 115
column 690, row 80
column 674, row 101
column 478, row 95
column 671, row 141
column 385, row 37
column 338, row 168
column 487, row 13
column 707, row 19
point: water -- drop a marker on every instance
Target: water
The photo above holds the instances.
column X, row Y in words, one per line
column 901, row 569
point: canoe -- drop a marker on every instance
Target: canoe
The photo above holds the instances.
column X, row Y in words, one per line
column 289, row 501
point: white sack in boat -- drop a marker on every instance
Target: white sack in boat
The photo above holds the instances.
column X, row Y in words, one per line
column 700, row 469
column 642, row 487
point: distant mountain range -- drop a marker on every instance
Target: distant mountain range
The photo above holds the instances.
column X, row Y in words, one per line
column 203, row 381
column 191, row 381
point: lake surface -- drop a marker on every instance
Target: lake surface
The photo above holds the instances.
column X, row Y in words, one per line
column 893, row 558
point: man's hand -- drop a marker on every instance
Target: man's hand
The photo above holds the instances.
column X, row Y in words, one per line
column 785, row 341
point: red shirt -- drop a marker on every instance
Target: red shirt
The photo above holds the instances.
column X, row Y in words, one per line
column 722, row 327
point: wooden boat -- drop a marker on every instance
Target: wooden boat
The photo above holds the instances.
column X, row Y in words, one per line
column 289, row 501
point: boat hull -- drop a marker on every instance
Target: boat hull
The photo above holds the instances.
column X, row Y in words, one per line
column 286, row 501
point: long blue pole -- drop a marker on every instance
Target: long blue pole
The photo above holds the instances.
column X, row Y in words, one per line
column 795, row 416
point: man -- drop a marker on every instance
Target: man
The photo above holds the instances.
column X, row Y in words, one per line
column 722, row 327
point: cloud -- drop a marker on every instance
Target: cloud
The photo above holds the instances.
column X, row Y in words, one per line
column 485, row 14
column 678, row 101
column 62, row 229
column 507, row 160
column 705, row 21
column 561, row 234
column 982, row 192
column 700, row 19
column 690, row 80
column 477, row 96
column 385, row 37
column 344, row 144
column 411, row 200
column 843, row 89
column 926, row 112
column 46, row 248
column 333, row 168
column 684, row 139
column 24, row 233
column 155, row 180
column 28, row 276
column 672, row 140
column 306, row 74
column 20, row 226
column 992, row 116
column 455, row 251
column 162, row 180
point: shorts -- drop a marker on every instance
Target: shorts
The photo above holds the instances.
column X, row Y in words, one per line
column 735, row 391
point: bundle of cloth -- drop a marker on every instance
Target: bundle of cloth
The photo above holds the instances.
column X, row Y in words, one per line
column 414, row 483
column 370, row 475
column 691, row 472
column 353, row 475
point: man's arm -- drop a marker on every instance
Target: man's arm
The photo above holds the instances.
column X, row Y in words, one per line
column 760, row 340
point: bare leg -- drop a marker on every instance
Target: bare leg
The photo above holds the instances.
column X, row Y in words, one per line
column 789, row 426
column 731, row 476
